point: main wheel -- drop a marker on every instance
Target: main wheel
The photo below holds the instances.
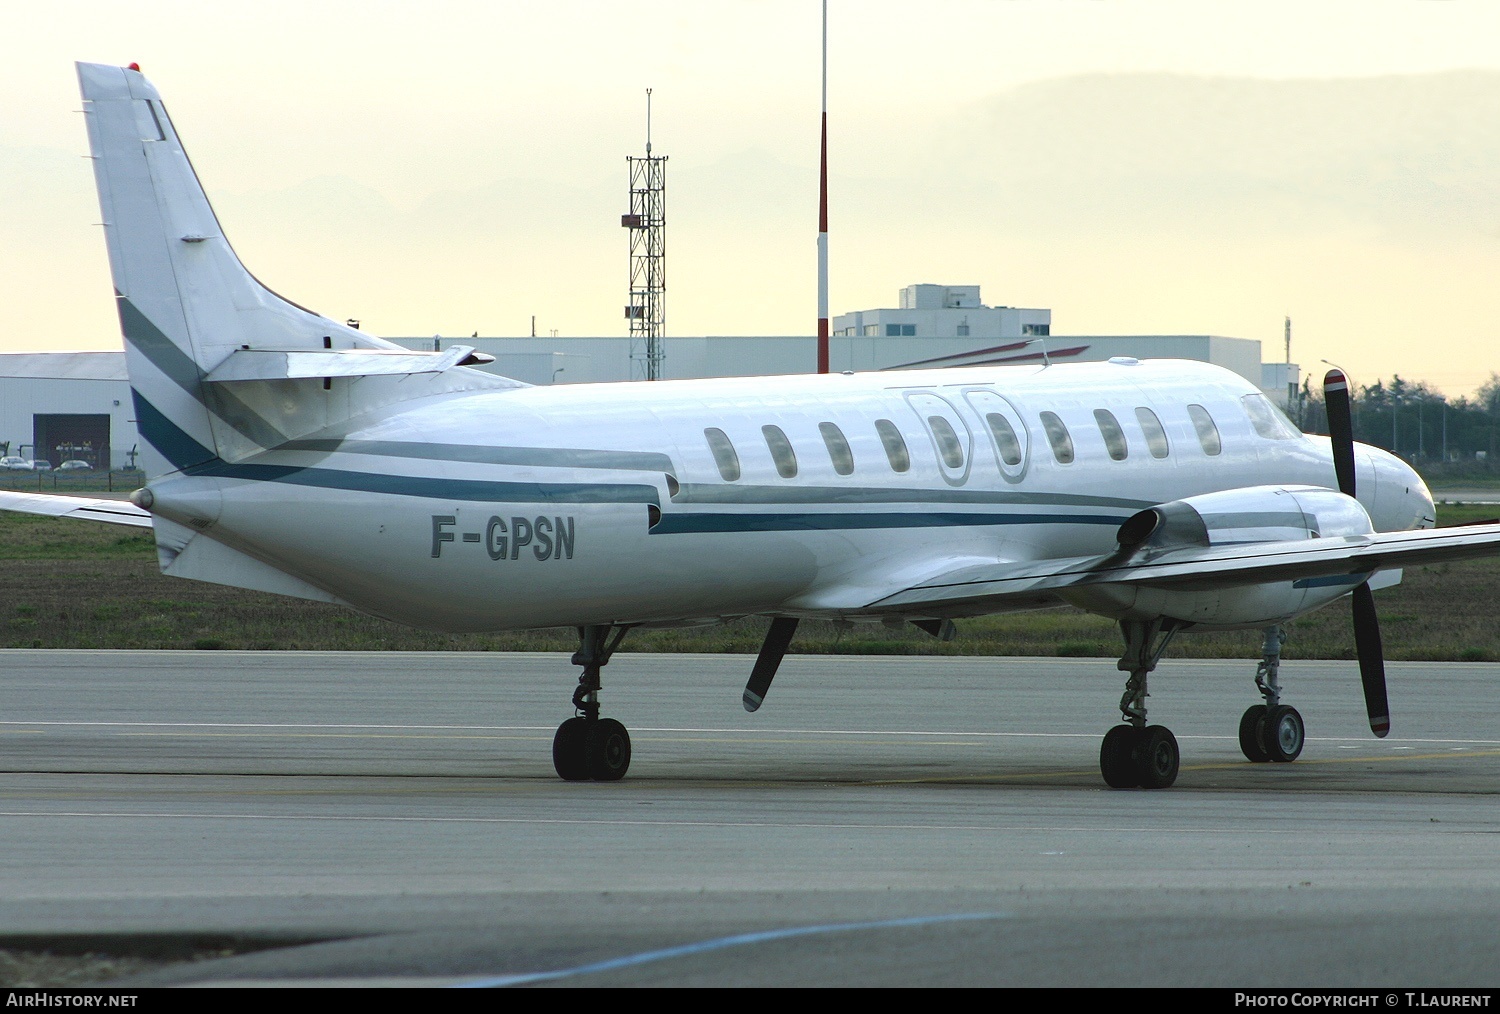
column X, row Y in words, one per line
column 1156, row 753
column 1284, row 734
column 608, row 751
column 1252, row 731
column 1117, row 757
column 570, row 750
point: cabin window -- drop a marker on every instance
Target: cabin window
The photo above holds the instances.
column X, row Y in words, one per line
column 1208, row 433
column 949, row 447
column 1156, row 437
column 838, row 448
column 781, row 452
column 1114, row 437
column 1267, row 418
column 1058, row 437
column 895, row 446
column 724, row 456
column 1005, row 438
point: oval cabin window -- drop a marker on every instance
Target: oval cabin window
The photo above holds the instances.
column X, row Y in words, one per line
column 895, row 445
column 781, row 451
column 1058, row 437
column 723, row 451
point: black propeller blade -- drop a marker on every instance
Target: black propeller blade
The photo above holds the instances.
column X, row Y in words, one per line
column 1340, row 428
column 1371, row 660
column 1366, row 625
column 772, row 651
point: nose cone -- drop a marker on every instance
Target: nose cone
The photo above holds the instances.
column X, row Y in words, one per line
column 1402, row 500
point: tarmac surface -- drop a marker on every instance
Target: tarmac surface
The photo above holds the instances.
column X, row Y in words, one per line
column 393, row 818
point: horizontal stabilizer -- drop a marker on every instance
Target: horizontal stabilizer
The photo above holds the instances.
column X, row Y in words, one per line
column 269, row 364
column 113, row 512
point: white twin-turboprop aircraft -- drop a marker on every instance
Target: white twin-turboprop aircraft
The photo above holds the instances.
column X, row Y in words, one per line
column 288, row 453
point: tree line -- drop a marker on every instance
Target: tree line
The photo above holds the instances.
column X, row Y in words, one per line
column 1415, row 422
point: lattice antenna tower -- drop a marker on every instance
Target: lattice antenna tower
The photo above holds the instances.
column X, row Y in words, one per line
column 647, row 222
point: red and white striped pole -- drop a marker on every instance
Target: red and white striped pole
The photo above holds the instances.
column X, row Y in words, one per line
column 823, row 215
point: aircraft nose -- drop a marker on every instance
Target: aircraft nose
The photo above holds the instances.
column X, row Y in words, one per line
column 1402, row 499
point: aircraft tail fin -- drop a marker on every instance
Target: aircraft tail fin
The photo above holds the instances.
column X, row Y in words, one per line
column 187, row 304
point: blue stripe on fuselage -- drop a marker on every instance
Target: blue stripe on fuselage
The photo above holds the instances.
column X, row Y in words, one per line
column 435, row 488
column 682, row 524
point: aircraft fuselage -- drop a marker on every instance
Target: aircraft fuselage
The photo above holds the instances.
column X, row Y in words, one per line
column 610, row 504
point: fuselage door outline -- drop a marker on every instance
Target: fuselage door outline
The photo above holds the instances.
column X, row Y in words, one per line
column 985, row 401
column 936, row 413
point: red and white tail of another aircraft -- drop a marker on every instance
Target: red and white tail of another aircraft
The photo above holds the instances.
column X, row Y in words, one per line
column 291, row 454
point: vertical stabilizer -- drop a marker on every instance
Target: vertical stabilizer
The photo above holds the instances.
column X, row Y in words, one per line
column 185, row 300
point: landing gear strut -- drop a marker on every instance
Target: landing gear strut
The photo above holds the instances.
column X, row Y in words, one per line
column 587, row 746
column 1271, row 731
column 1133, row 754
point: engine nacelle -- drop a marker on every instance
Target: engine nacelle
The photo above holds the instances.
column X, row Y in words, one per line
column 1254, row 514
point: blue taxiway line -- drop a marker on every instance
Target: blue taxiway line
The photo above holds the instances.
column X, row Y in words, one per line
column 720, row 943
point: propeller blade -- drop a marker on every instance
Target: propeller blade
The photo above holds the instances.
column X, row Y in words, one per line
column 772, row 651
column 1371, row 660
column 1340, row 428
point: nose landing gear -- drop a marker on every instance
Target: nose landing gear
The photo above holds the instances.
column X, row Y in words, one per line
column 1271, row 731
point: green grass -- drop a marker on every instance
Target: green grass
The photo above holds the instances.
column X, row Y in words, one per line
column 69, row 584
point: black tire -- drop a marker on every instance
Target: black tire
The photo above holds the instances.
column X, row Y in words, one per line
column 608, row 751
column 570, row 750
column 1157, row 756
column 1117, row 757
column 1252, row 734
column 1284, row 734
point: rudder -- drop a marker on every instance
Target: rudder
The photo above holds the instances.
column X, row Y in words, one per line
column 185, row 301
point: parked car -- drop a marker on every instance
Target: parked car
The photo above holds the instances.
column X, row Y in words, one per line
column 75, row 465
column 14, row 464
column 42, row 465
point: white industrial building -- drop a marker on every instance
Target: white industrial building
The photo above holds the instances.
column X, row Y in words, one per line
column 61, row 405
column 933, row 326
column 943, row 311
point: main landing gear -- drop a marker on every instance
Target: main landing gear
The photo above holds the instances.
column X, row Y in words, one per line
column 1271, row 731
column 1135, row 754
column 587, row 746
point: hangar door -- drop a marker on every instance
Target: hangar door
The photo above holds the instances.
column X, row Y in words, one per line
column 59, row 438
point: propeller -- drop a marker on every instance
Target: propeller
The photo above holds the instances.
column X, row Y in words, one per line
column 1366, row 625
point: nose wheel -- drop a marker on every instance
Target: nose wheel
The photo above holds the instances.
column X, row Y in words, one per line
column 1271, row 731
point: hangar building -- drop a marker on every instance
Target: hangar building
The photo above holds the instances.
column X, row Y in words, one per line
column 65, row 406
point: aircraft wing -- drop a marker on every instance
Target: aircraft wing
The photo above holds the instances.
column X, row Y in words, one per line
column 114, row 512
column 1008, row 585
